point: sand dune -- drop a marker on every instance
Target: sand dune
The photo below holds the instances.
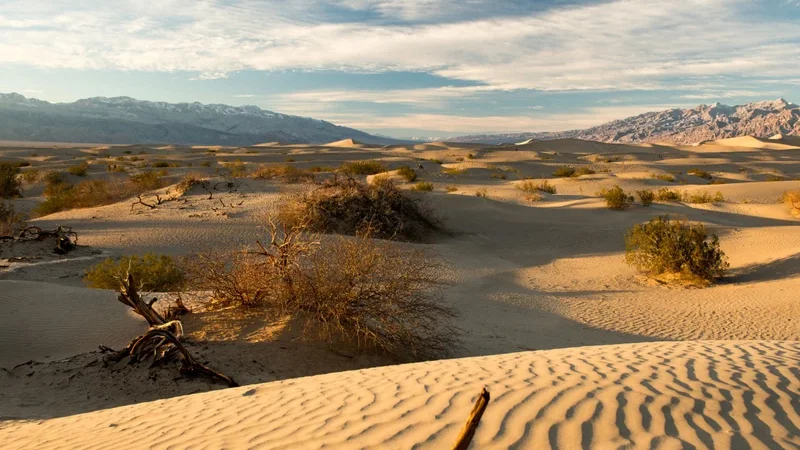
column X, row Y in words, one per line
column 736, row 394
column 43, row 321
column 548, row 276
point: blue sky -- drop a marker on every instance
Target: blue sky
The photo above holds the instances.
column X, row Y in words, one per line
column 409, row 67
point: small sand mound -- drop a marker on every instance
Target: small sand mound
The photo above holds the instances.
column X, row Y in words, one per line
column 734, row 394
column 349, row 143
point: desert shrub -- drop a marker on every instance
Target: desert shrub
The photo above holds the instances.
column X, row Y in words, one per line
column 343, row 205
column 9, row 218
column 616, row 197
column 369, row 167
column 564, row 171
column 81, row 170
column 423, row 186
column 663, row 177
column 666, row 195
column 482, row 193
column 205, row 164
column 31, row 175
column 237, row 169
column 500, row 175
column 675, row 247
column 531, row 187
column 583, row 171
column 450, row 188
column 21, row 164
column 699, row 173
column 61, row 195
column 285, row 172
column 646, row 197
column 160, row 164
column 792, row 199
column 407, row 173
column 374, row 295
column 189, row 181
column 452, row 171
column 9, row 183
column 703, row 197
column 115, row 168
column 470, row 156
column 155, row 273
column 437, row 161
column 146, row 181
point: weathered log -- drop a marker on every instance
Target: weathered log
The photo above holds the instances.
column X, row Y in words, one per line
column 465, row 437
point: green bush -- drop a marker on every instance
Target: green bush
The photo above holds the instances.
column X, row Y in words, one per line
column 646, row 197
column 530, row 187
column 9, row 183
column 155, row 273
column 616, row 198
column 81, row 170
column 699, row 173
column 564, row 171
column 703, row 197
column 666, row 195
column 408, row 173
column 675, row 247
column 583, row 171
column 423, row 186
column 369, row 167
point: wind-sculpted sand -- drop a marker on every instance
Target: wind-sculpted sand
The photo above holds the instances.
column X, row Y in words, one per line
column 661, row 395
column 610, row 358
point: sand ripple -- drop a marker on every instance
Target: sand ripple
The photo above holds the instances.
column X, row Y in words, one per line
column 707, row 394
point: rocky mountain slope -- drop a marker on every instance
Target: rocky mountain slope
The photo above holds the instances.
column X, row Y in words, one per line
column 127, row 120
column 683, row 126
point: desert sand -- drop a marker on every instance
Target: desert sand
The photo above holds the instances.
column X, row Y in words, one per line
column 576, row 348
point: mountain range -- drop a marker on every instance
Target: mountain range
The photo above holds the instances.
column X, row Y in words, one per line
column 682, row 126
column 121, row 120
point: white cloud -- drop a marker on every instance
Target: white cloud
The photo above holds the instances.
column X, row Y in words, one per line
column 244, row 95
column 420, row 96
column 624, row 44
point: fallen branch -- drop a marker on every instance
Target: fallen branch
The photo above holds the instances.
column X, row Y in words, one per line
column 141, row 202
column 162, row 340
column 465, row 437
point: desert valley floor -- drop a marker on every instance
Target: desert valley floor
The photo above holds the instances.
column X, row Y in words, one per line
column 577, row 349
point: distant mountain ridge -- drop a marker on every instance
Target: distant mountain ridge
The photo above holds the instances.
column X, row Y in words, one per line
column 125, row 120
column 682, row 126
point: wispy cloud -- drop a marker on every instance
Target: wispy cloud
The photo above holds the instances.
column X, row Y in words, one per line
column 624, row 44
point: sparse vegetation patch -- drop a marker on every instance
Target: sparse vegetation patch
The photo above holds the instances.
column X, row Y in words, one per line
column 156, row 273
column 616, row 198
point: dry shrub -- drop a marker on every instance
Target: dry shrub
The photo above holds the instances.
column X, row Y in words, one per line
column 407, row 173
column 675, row 247
column 423, row 186
column 531, row 187
column 81, row 170
column 616, row 198
column 31, row 175
column 646, row 197
column 703, row 197
column 237, row 169
column 189, row 181
column 450, row 188
column 10, row 220
column 285, row 172
column 9, row 183
column 663, row 177
column 564, row 171
column 699, row 173
column 454, row 171
column 61, row 195
column 369, row 167
column 155, row 273
column 583, row 171
column 792, row 198
column 374, row 295
column 666, row 195
column 343, row 205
